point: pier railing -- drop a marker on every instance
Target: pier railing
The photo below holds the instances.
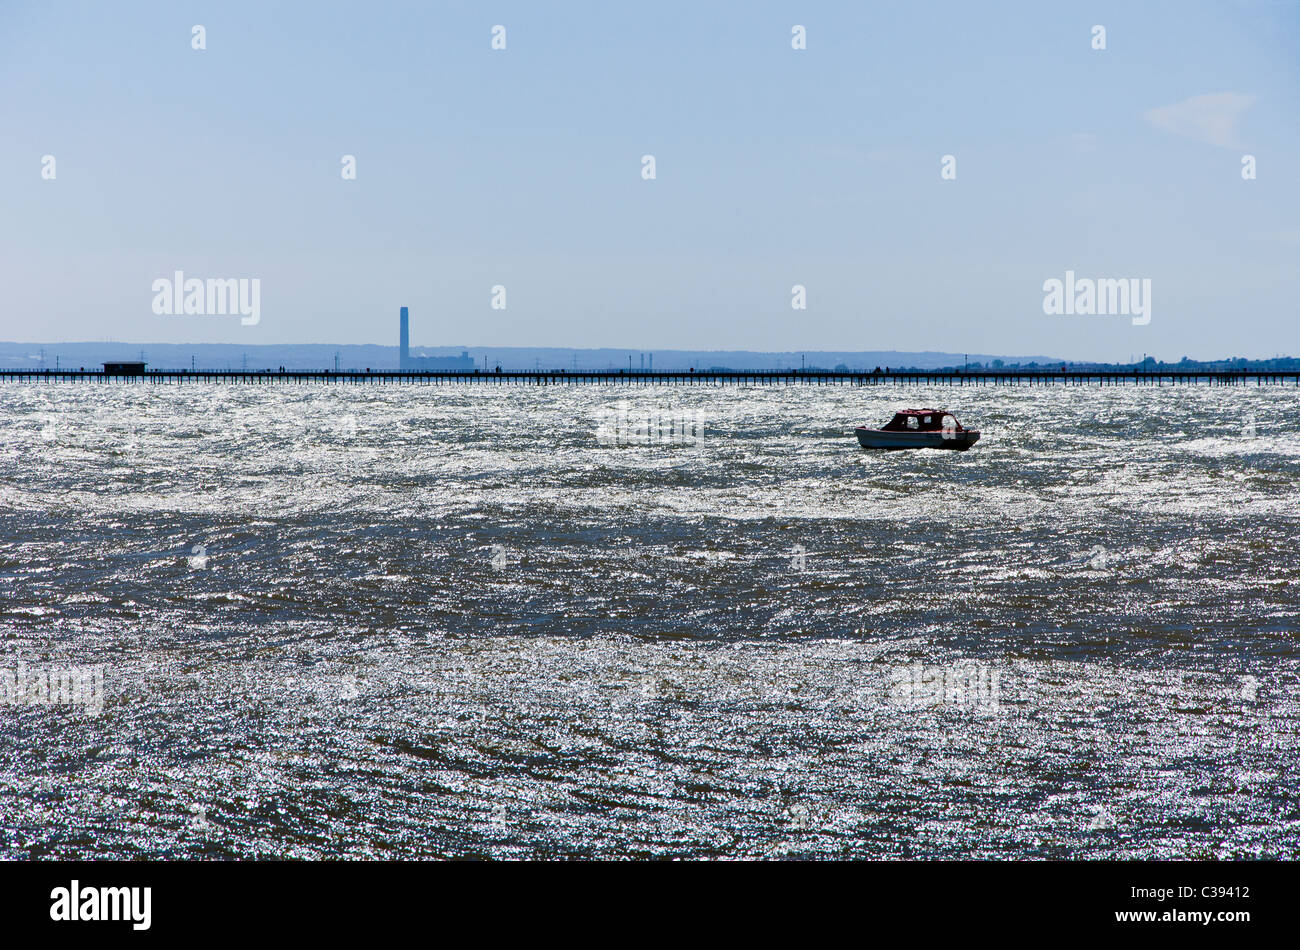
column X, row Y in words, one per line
column 669, row 377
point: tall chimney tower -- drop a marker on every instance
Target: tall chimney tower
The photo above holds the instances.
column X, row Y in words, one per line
column 404, row 340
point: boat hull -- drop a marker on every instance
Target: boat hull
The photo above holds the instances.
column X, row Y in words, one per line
column 959, row 440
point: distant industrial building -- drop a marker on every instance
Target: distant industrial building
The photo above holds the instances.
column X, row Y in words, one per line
column 406, row 361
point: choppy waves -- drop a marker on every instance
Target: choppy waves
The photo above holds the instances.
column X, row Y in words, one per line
column 422, row 621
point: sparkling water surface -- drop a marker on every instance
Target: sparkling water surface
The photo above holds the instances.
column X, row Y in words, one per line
column 419, row 621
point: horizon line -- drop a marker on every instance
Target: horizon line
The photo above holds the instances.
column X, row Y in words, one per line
column 1041, row 358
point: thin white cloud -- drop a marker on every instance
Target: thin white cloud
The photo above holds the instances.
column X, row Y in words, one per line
column 1211, row 118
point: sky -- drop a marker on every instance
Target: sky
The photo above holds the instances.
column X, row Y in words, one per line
column 522, row 168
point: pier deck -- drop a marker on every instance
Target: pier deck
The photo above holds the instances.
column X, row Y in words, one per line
column 667, row 378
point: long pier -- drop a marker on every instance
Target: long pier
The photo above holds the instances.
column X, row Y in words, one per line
column 667, row 378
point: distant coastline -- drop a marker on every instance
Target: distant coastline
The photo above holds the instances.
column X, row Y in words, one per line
column 355, row 357
column 318, row 356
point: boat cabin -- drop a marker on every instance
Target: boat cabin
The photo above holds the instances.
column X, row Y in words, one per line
column 923, row 420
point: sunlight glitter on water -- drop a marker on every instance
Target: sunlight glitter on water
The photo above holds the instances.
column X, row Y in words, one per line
column 416, row 605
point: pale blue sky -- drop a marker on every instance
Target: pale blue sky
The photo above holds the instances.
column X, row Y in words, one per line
column 775, row 167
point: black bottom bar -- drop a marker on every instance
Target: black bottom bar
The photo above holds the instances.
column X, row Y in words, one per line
column 299, row 901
